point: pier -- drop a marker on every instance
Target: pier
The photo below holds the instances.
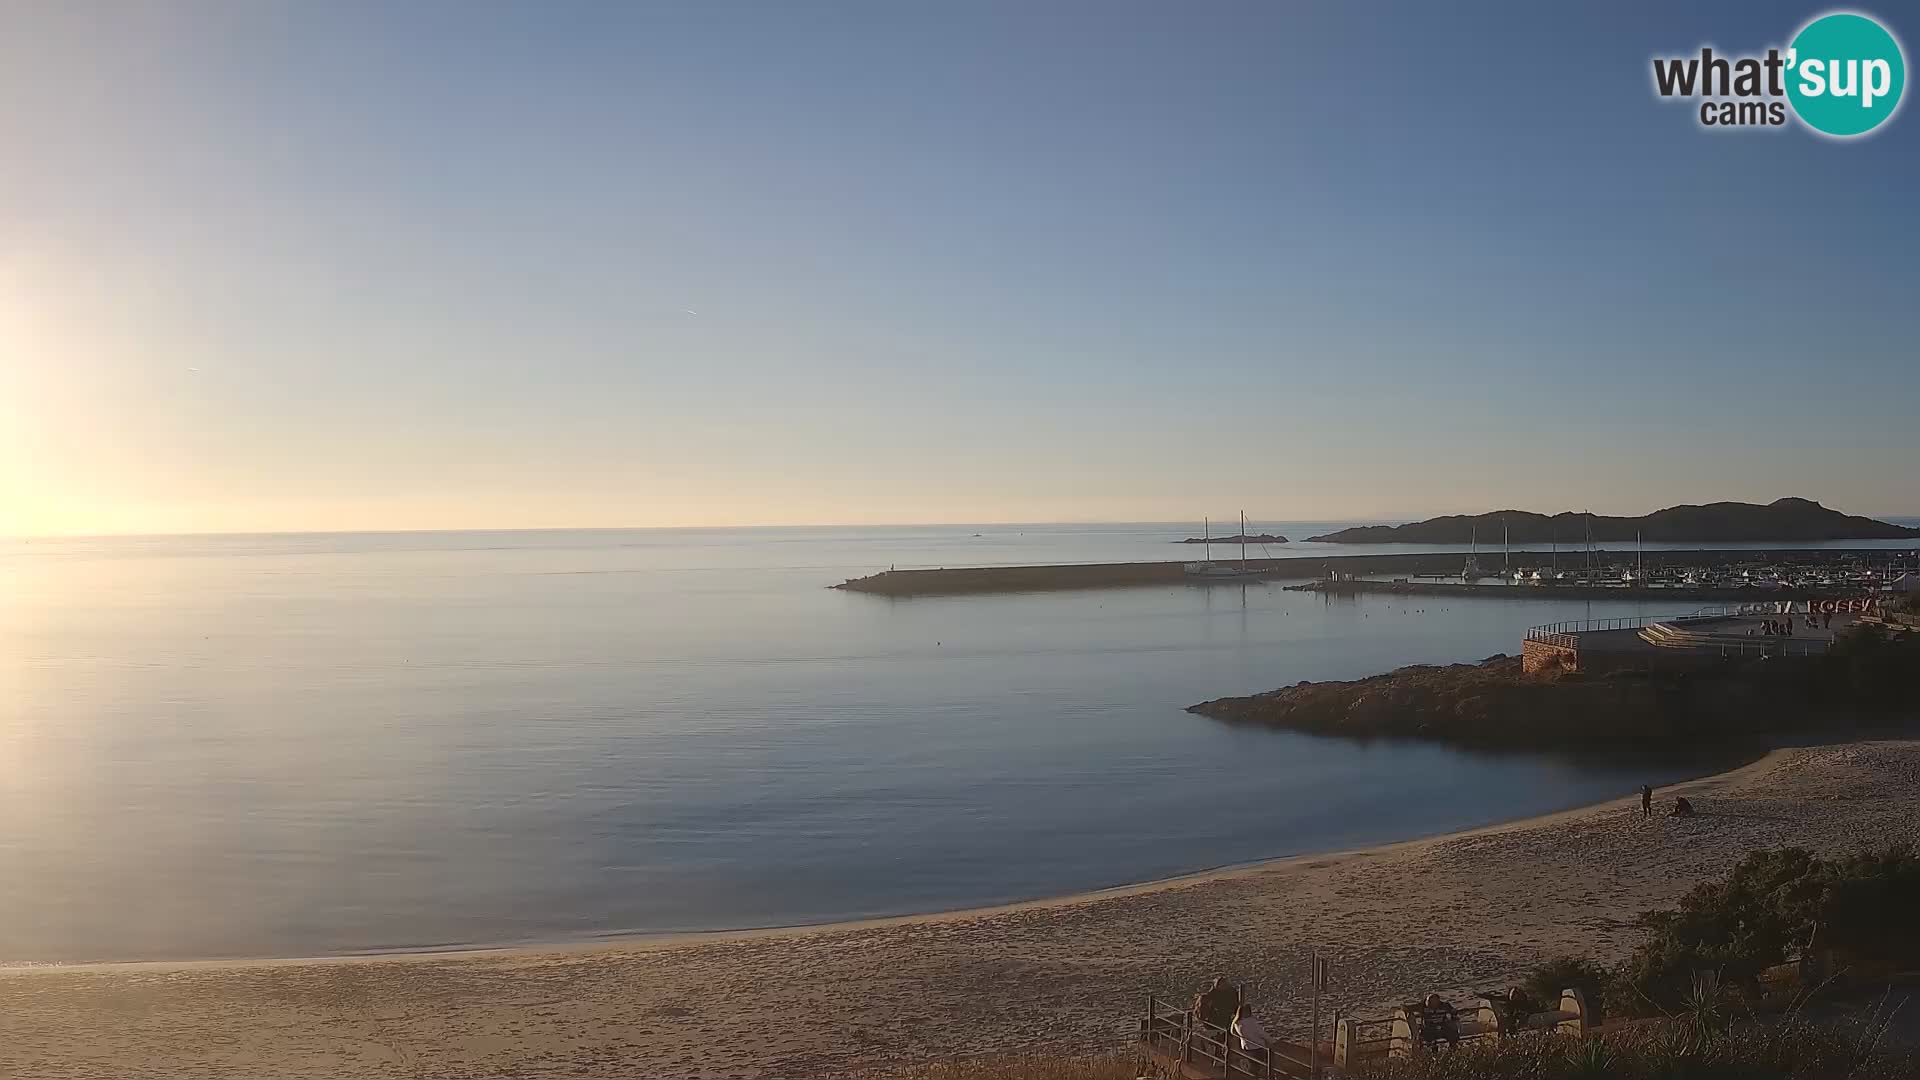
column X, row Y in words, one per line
column 986, row 579
column 1349, row 573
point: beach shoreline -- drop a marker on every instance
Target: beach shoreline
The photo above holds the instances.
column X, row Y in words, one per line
column 648, row 941
column 1062, row 975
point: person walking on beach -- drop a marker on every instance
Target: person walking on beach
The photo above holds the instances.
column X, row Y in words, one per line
column 1646, row 800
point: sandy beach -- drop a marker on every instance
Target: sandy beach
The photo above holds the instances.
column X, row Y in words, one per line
column 1463, row 910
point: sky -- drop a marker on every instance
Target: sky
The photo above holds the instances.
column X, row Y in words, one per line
column 311, row 266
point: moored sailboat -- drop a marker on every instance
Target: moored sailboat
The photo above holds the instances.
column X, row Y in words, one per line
column 1212, row 570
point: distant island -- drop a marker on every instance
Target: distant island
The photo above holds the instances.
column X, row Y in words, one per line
column 1263, row 538
column 1795, row 520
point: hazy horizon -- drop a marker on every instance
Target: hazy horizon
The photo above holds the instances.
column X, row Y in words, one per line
column 357, row 267
column 1225, row 525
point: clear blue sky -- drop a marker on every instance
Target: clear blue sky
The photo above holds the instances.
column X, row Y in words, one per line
column 362, row 265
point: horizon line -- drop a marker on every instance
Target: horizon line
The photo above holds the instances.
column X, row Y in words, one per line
column 438, row 530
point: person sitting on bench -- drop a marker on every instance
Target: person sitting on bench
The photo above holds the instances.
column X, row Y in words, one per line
column 1438, row 1022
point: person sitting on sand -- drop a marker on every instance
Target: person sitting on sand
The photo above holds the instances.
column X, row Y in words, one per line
column 1438, row 1021
column 1218, row 1003
column 1247, row 1029
column 1681, row 808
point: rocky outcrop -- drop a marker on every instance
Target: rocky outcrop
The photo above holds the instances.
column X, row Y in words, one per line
column 1496, row 703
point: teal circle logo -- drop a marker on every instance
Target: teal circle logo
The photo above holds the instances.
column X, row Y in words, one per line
column 1845, row 73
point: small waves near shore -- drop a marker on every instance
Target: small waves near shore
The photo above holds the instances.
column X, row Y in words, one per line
column 1466, row 909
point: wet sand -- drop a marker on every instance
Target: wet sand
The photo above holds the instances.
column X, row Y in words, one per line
column 1459, row 911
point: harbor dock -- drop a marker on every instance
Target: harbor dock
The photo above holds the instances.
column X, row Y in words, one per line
column 1351, row 573
column 1357, row 587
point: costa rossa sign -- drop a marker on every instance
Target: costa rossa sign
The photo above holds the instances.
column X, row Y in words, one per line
column 1853, row 605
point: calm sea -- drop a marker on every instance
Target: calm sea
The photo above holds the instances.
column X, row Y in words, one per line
column 296, row 745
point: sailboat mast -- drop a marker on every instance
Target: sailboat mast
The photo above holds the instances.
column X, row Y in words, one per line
column 1243, row 540
column 1206, row 537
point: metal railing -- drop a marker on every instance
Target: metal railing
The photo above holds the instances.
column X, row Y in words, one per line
column 1627, row 622
column 1563, row 634
column 1671, row 635
column 1177, row 1034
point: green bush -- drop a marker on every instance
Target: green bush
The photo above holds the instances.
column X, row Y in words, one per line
column 1870, row 909
column 1542, row 985
column 1672, row 1050
column 1870, row 667
column 1773, row 906
column 1737, row 928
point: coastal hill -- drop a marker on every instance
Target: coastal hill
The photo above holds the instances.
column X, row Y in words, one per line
column 1795, row 520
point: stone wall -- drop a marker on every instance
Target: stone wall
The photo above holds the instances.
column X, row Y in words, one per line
column 1539, row 656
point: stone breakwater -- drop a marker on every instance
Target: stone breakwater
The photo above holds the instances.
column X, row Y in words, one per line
column 989, row 579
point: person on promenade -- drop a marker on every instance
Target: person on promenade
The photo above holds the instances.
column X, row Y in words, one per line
column 1217, row 1004
column 1246, row 1028
column 1646, row 800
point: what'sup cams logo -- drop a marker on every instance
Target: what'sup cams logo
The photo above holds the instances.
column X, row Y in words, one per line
column 1842, row 76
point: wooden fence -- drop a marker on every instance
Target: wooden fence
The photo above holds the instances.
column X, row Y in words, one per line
column 1193, row 1047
